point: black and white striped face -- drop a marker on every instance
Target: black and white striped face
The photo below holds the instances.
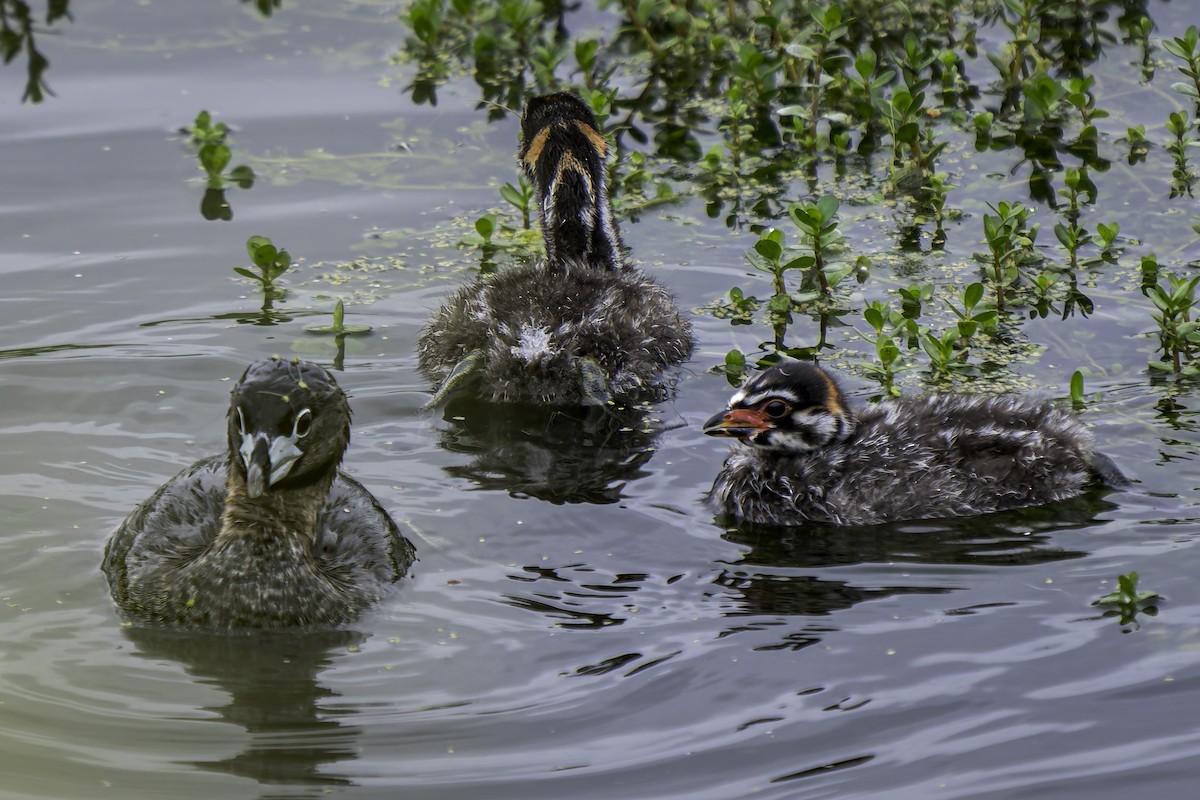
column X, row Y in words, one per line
column 289, row 423
column 794, row 407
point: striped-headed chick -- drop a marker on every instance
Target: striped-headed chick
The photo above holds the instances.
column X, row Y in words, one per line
column 563, row 153
column 794, row 407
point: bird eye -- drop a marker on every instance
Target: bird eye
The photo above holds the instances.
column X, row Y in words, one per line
column 303, row 424
column 776, row 409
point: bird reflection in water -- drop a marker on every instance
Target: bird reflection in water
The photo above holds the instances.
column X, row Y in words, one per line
column 293, row 743
column 766, row 586
column 570, row 455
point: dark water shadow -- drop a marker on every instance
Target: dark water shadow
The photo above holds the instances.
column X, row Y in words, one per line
column 558, row 455
column 274, row 694
column 768, row 584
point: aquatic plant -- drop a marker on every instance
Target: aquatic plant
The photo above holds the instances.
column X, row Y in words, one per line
column 1126, row 602
column 1187, row 49
column 887, row 324
column 1183, row 176
column 521, row 196
column 339, row 327
column 204, row 131
column 758, row 108
column 1009, row 238
column 1072, row 235
column 271, row 262
column 214, row 155
column 1178, row 333
column 1076, row 389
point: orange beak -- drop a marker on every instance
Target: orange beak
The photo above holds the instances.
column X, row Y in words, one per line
column 737, row 423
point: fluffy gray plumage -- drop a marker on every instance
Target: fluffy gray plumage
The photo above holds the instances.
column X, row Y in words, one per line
column 804, row 456
column 262, row 537
column 578, row 328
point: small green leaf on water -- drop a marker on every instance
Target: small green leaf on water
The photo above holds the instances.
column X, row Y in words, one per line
column 1077, row 387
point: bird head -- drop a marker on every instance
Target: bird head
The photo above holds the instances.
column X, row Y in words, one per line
column 792, row 407
column 289, row 425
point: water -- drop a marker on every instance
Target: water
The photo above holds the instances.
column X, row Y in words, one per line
column 577, row 625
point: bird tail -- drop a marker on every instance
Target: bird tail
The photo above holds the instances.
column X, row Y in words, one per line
column 563, row 153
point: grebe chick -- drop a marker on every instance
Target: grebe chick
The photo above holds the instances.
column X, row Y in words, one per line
column 804, row 456
column 269, row 535
column 580, row 327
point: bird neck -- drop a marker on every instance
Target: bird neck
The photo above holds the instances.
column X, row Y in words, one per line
column 566, row 160
column 281, row 514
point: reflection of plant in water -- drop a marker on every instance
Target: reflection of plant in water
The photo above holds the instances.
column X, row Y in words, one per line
column 18, row 33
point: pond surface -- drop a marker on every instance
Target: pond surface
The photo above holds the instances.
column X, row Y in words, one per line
column 577, row 625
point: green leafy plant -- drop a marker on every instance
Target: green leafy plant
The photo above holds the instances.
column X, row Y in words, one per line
column 1139, row 145
column 1076, row 389
column 521, row 197
column 1187, row 49
column 735, row 368
column 339, row 326
column 1178, row 334
column 820, row 236
column 886, row 324
column 271, row 262
column 1072, row 235
column 1178, row 125
column 1126, row 602
column 819, row 52
column 974, row 315
column 204, row 131
column 215, row 156
column 945, row 357
column 1010, row 240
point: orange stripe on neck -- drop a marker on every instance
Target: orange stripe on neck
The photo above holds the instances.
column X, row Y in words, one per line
column 536, row 146
column 594, row 137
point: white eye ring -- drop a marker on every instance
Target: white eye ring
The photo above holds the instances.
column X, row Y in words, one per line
column 303, row 420
column 241, row 421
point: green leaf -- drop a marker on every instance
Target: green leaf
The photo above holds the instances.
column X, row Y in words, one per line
column 486, row 226
column 972, row 295
column 214, row 158
column 242, row 175
column 510, row 193
column 828, row 206
column 254, row 243
column 768, row 249
column 1077, row 387
column 248, row 274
